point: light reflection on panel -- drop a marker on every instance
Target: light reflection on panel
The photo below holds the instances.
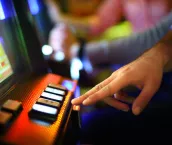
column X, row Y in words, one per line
column 34, row 7
column 76, row 66
column 68, row 84
column 2, row 15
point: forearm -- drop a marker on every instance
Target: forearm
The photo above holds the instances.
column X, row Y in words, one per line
column 97, row 52
column 161, row 53
column 166, row 46
column 130, row 48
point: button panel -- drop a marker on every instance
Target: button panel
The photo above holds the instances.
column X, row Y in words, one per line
column 48, row 104
column 46, row 107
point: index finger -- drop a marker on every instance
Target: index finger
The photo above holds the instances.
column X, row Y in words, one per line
column 108, row 90
column 80, row 99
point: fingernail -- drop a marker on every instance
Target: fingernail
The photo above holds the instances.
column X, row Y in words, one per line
column 76, row 107
column 137, row 110
column 73, row 101
column 85, row 102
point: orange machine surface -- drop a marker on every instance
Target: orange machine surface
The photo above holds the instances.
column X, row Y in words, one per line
column 25, row 132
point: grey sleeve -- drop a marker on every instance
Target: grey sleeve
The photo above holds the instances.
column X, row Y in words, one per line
column 128, row 49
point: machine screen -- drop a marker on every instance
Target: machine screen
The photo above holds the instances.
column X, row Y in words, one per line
column 5, row 66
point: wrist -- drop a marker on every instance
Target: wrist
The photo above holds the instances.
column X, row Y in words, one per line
column 164, row 52
column 167, row 55
column 158, row 54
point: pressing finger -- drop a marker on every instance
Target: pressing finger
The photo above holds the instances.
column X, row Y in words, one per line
column 98, row 87
column 143, row 99
column 108, row 90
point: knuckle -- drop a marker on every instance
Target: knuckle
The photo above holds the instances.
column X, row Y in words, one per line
column 109, row 91
column 114, row 74
column 98, row 87
column 122, row 74
column 125, row 72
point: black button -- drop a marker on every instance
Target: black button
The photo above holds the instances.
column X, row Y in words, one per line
column 5, row 118
column 12, row 106
column 49, row 102
column 43, row 112
column 57, row 87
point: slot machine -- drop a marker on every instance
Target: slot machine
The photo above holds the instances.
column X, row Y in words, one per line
column 35, row 105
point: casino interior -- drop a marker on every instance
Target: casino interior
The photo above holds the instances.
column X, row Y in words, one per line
column 38, row 80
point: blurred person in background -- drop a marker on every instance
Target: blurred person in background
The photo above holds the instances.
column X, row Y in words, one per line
column 89, row 19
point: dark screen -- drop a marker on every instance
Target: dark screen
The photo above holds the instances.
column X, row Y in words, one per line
column 13, row 55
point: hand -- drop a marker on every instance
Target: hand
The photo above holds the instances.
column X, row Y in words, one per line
column 62, row 40
column 145, row 73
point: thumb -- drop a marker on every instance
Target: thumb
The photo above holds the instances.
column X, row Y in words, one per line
column 143, row 99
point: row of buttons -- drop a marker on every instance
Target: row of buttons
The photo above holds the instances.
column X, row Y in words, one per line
column 9, row 110
column 48, row 104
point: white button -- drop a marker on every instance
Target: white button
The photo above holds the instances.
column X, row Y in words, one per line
column 60, row 92
column 44, row 109
column 56, row 97
column 49, row 90
column 52, row 96
column 55, row 91
column 44, row 94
